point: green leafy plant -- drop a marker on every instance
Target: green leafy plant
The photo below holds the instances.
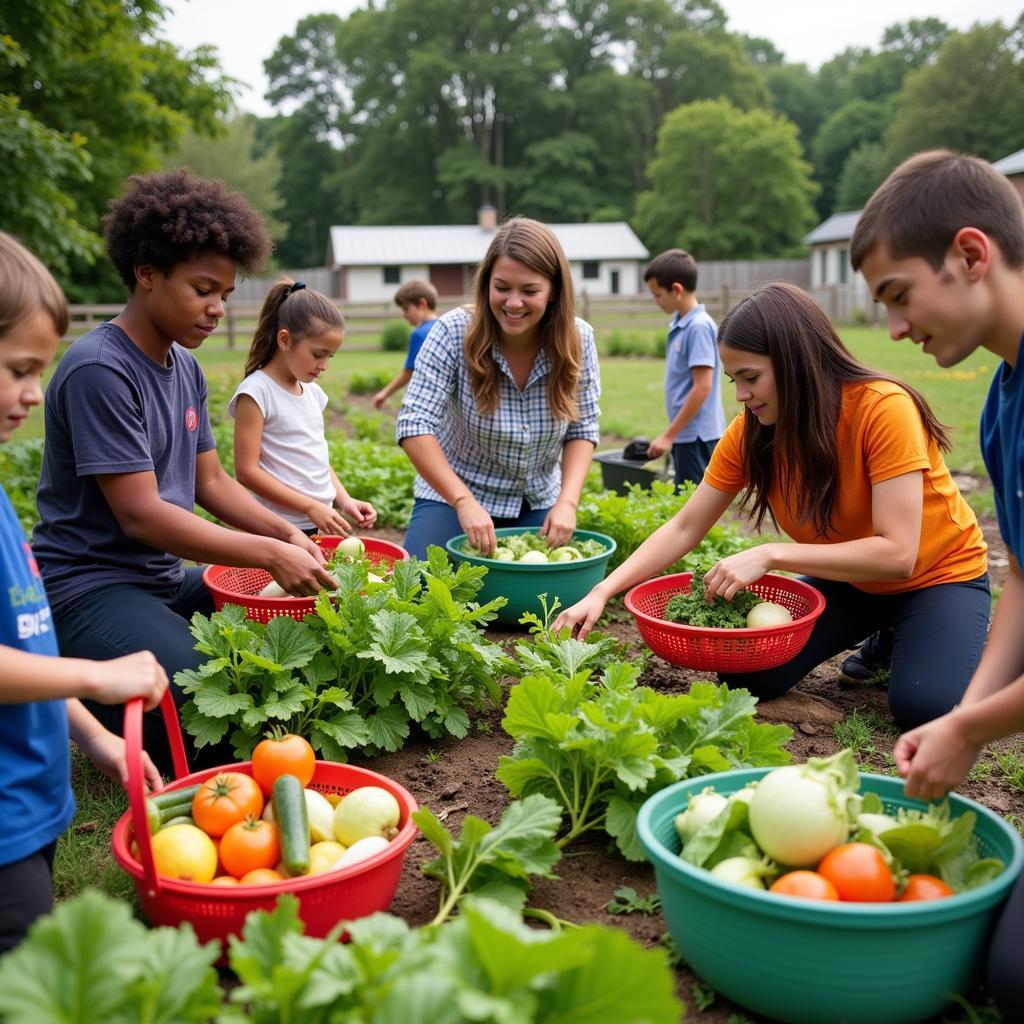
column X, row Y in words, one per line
column 395, row 336
column 368, row 383
column 20, row 465
column 600, row 747
column 694, row 609
column 628, row 901
column 373, row 660
column 377, row 473
column 498, row 861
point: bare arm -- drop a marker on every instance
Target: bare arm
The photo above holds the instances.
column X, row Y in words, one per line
column 702, row 381
column 398, row 381
column 269, row 542
column 560, row 521
column 890, row 554
column 104, row 748
column 681, row 534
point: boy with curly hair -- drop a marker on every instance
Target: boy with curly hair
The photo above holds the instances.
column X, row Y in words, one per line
column 129, row 448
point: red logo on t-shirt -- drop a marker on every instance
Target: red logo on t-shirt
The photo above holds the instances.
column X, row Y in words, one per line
column 191, row 419
column 30, row 559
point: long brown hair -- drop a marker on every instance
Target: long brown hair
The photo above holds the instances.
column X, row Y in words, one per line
column 810, row 365
column 534, row 245
column 299, row 310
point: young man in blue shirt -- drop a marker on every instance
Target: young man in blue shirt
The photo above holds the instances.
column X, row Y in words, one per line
column 941, row 245
column 693, row 371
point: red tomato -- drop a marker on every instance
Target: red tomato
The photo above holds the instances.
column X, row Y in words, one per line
column 225, row 799
column 249, row 845
column 925, row 887
column 807, row 885
column 283, row 754
column 859, row 873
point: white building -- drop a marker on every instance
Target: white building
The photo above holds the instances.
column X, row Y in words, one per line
column 369, row 263
column 838, row 289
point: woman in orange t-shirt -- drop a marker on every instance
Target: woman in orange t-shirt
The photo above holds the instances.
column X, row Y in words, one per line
column 846, row 461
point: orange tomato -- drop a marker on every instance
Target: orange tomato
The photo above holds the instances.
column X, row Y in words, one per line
column 249, row 845
column 925, row 887
column 261, row 876
column 225, row 799
column 807, row 885
column 859, row 873
column 282, row 754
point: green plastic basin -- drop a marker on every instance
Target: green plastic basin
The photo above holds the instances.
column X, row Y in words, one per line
column 803, row 962
column 522, row 582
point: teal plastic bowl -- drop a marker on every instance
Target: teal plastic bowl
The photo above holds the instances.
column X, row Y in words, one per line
column 803, row 962
column 521, row 583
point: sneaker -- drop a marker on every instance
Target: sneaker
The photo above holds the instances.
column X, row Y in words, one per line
column 870, row 663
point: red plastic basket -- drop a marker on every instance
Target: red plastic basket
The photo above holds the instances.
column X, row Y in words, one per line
column 725, row 650
column 218, row 911
column 231, row 584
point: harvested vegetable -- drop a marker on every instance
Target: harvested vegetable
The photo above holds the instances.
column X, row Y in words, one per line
column 693, row 609
column 766, row 614
column 859, row 872
column 367, row 811
column 805, row 885
column 526, row 547
column 292, row 824
column 279, row 753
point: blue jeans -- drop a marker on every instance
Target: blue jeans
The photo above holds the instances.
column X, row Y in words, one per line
column 435, row 522
column 122, row 618
column 690, row 459
column 938, row 635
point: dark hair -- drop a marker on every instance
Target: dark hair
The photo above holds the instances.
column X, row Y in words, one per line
column 413, row 292
column 299, row 310
column 26, row 287
column 920, row 207
column 810, row 365
column 534, row 245
column 167, row 217
column 673, row 266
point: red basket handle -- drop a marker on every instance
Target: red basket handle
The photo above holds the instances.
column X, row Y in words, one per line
column 136, row 777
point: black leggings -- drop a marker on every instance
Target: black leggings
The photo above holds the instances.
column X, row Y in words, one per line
column 26, row 893
column 938, row 636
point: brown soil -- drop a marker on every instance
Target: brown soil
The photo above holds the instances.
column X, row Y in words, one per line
column 457, row 777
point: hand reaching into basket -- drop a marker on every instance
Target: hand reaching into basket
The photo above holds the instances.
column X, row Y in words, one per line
column 728, row 577
column 559, row 524
column 298, row 568
column 328, row 520
column 477, row 524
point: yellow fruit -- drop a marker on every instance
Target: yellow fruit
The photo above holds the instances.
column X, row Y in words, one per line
column 185, row 852
column 323, row 855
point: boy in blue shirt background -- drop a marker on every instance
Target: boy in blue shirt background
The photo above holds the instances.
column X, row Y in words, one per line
column 941, row 246
column 418, row 301
column 693, row 370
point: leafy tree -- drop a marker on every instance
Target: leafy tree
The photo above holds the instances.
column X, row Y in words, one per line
column 865, row 169
column 231, row 156
column 726, row 184
column 96, row 75
column 795, row 93
column 853, row 124
column 969, row 99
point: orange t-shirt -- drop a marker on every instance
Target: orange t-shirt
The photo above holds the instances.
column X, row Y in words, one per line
column 880, row 436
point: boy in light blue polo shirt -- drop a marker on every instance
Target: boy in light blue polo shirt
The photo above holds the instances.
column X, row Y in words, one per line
column 693, row 371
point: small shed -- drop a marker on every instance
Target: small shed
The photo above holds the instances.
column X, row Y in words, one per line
column 370, row 262
column 839, row 290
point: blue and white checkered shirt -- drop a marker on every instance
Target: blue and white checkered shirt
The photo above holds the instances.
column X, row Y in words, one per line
column 516, row 452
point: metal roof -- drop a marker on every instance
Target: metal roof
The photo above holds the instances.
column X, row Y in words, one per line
column 838, row 228
column 355, row 246
column 1012, row 164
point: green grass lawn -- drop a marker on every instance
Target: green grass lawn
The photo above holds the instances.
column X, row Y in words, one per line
column 632, row 401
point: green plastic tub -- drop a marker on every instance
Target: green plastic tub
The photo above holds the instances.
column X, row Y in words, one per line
column 802, row 962
column 523, row 583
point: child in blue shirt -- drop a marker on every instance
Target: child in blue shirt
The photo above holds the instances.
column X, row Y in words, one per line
column 418, row 301
column 941, row 245
column 693, row 370
column 40, row 693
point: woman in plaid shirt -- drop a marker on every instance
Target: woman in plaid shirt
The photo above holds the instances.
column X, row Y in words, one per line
column 500, row 417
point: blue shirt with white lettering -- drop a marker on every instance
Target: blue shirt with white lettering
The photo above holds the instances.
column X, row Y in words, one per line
column 36, row 803
column 1002, row 447
column 111, row 409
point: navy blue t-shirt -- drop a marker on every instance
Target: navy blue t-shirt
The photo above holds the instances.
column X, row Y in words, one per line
column 36, row 803
column 111, row 409
column 1002, row 447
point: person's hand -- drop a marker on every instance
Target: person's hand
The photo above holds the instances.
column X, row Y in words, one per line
column 935, row 757
column 328, row 520
column 107, row 752
column 661, row 444
column 559, row 524
column 476, row 524
column 582, row 616
column 122, row 679
column 729, row 576
column 298, row 568
column 364, row 514
column 379, row 399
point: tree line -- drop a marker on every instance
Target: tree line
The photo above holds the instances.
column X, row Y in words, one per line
column 418, row 111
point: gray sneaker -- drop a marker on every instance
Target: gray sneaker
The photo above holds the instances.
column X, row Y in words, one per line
column 869, row 665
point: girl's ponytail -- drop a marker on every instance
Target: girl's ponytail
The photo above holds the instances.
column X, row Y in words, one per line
column 264, row 340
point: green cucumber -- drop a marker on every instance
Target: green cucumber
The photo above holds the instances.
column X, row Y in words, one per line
column 292, row 820
column 160, row 807
column 181, row 819
column 168, row 797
